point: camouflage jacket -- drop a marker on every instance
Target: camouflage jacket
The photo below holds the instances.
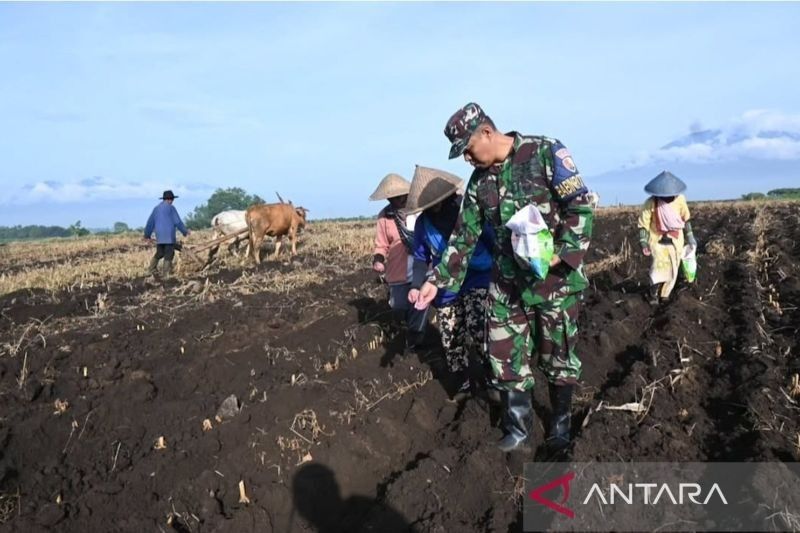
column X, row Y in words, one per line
column 538, row 171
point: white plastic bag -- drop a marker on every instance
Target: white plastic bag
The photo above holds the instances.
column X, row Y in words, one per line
column 531, row 240
column 411, row 220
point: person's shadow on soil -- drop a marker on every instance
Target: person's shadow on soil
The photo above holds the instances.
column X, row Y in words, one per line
column 318, row 500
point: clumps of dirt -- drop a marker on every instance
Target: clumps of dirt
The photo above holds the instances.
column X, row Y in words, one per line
column 334, row 429
column 706, row 371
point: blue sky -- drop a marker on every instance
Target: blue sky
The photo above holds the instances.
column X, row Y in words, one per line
column 104, row 105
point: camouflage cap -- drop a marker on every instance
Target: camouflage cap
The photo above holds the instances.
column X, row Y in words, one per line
column 462, row 125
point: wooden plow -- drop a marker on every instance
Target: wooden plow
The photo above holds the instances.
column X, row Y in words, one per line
column 191, row 252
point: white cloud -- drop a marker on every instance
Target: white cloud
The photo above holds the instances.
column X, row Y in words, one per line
column 767, row 120
column 756, row 134
column 96, row 189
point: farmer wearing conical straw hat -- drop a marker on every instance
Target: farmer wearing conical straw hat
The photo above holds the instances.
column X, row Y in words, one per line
column 664, row 228
column 394, row 237
column 435, row 194
column 522, row 174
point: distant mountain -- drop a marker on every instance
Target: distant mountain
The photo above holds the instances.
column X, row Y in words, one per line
column 721, row 138
column 707, row 137
column 706, row 181
column 758, row 152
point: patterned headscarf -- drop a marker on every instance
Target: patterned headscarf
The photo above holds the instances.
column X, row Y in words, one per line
column 406, row 235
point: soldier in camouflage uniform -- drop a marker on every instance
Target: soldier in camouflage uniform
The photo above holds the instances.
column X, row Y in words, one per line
column 511, row 171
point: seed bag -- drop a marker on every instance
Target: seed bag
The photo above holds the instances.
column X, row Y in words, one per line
column 531, row 240
column 689, row 263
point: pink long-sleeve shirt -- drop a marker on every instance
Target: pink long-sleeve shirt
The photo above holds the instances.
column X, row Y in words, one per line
column 389, row 245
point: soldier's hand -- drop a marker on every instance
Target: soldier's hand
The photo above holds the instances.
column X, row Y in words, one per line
column 555, row 261
column 426, row 295
column 413, row 296
column 378, row 266
column 188, row 232
column 646, row 251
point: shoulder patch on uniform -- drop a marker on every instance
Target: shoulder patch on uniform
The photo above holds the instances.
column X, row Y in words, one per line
column 567, row 183
column 566, row 159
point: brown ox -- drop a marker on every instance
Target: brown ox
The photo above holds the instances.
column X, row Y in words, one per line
column 275, row 220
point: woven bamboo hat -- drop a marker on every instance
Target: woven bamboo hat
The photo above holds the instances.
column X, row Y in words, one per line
column 390, row 186
column 429, row 187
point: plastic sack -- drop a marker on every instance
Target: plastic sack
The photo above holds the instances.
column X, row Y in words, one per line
column 531, row 240
column 689, row 263
column 411, row 220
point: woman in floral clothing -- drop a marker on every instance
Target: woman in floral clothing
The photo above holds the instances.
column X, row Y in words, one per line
column 460, row 316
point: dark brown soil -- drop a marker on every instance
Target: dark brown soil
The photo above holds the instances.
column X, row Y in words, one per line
column 319, row 379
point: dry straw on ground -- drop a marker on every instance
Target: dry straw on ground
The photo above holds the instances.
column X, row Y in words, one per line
column 76, row 263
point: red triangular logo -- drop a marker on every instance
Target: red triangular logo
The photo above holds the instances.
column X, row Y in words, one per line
column 563, row 481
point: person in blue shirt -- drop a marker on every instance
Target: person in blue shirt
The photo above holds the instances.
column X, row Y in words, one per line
column 460, row 316
column 164, row 220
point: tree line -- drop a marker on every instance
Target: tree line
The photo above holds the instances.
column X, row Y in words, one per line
column 237, row 199
column 200, row 218
column 221, row 200
column 19, row 232
column 774, row 194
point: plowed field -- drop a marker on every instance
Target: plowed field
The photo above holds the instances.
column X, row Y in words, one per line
column 336, row 430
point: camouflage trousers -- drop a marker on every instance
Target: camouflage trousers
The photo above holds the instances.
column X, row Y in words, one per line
column 518, row 331
column 462, row 325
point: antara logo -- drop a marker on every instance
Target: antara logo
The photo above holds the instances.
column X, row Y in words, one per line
column 635, row 493
column 563, row 482
column 643, row 493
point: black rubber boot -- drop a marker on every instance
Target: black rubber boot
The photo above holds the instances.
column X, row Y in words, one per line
column 654, row 296
column 167, row 268
column 152, row 269
column 414, row 342
column 464, row 391
column 561, row 403
column 517, row 421
column 494, row 396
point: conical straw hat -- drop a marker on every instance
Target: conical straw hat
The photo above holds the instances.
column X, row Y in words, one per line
column 390, row 186
column 429, row 187
column 665, row 184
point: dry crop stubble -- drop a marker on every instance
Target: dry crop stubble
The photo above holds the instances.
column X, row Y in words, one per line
column 77, row 263
column 381, row 430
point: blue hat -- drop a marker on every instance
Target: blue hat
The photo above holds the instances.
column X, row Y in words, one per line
column 665, row 184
